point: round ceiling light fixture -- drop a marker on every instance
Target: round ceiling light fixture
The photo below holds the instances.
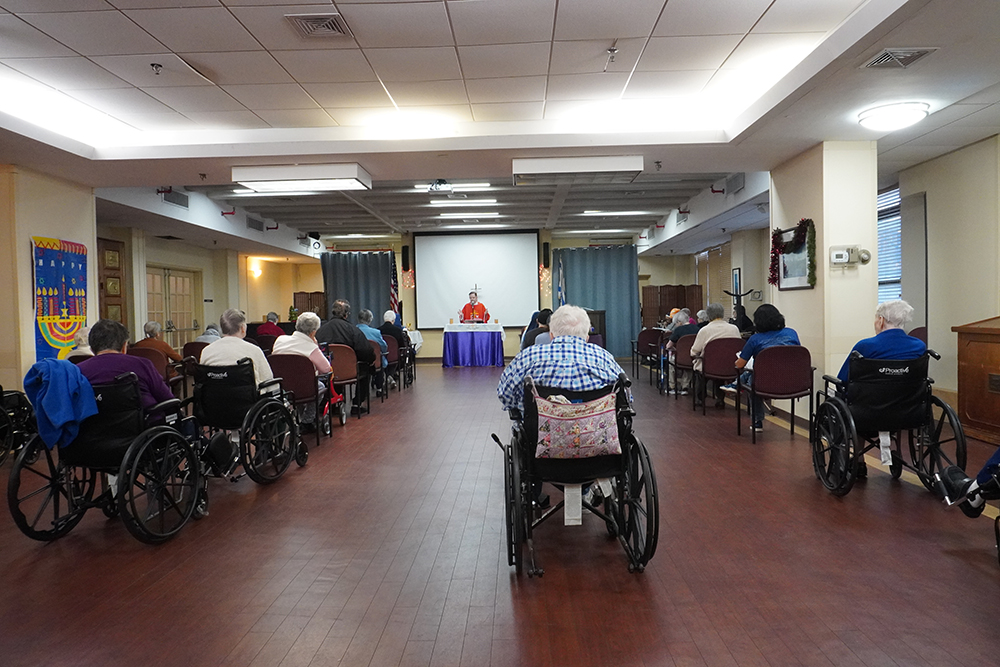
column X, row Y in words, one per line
column 893, row 116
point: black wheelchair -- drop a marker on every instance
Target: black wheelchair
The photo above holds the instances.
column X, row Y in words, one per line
column 245, row 424
column 17, row 422
column 884, row 396
column 149, row 474
column 630, row 511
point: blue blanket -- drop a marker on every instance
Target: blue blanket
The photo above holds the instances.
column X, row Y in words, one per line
column 62, row 398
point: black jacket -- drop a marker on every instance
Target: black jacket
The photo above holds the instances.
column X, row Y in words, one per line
column 390, row 329
column 342, row 332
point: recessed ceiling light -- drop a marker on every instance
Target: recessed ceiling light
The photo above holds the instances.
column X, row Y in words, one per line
column 893, row 116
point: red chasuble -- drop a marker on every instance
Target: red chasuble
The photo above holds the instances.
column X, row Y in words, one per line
column 477, row 312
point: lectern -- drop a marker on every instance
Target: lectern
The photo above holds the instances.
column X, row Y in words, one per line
column 979, row 378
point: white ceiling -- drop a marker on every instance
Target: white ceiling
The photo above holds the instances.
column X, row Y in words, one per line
column 704, row 87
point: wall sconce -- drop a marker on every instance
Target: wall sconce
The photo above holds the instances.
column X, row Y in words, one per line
column 256, row 271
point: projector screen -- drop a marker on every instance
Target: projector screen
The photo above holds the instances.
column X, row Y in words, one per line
column 504, row 268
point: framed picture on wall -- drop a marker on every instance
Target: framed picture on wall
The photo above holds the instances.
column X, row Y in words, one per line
column 737, row 284
column 113, row 286
column 793, row 267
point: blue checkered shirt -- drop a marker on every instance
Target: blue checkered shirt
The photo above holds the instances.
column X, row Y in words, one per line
column 567, row 362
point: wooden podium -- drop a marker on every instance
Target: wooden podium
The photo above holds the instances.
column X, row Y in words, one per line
column 979, row 379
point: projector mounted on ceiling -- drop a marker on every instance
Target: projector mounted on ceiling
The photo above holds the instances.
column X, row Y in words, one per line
column 601, row 169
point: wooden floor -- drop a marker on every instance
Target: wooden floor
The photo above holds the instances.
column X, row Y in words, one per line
column 387, row 549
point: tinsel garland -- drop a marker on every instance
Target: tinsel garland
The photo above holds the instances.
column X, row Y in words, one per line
column 805, row 233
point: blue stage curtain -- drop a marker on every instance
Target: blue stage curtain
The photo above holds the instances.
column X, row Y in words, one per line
column 363, row 278
column 604, row 278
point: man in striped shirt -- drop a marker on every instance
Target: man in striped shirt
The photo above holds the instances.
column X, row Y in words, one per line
column 568, row 362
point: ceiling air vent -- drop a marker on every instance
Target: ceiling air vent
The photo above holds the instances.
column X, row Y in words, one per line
column 169, row 237
column 175, row 198
column 897, row 58
column 319, row 25
column 255, row 224
column 735, row 183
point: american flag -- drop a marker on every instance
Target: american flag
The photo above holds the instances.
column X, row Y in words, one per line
column 394, row 288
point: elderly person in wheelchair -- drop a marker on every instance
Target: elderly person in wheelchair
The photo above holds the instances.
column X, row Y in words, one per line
column 881, row 393
column 574, row 433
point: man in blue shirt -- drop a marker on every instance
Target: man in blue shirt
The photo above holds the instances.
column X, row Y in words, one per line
column 890, row 340
column 568, row 362
column 371, row 333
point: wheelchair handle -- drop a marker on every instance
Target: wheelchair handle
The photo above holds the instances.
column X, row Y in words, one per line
column 497, row 440
column 934, row 354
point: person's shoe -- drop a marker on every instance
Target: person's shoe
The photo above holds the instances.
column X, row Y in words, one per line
column 682, row 392
column 955, row 483
column 359, row 410
column 970, row 510
column 758, row 428
column 543, row 501
column 391, row 382
column 729, row 388
column 861, row 472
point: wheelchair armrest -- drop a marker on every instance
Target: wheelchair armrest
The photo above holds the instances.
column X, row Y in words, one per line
column 829, row 379
column 171, row 406
column 514, row 414
column 934, row 354
column 267, row 384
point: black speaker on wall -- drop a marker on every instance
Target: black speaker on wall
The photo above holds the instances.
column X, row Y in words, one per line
column 406, row 258
column 545, row 255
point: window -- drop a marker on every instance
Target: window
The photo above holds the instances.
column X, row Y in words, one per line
column 890, row 263
column 170, row 299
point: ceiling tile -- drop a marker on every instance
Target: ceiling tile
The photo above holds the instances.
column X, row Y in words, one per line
column 987, row 95
column 297, row 117
column 758, row 51
column 273, row 30
column 238, row 67
column 686, row 53
column 416, row 64
column 604, row 86
column 589, row 56
column 355, row 116
column 195, row 29
column 645, row 85
column 710, row 17
column 21, row 40
column 519, row 89
column 326, row 66
column 272, row 96
column 162, row 4
column 458, row 113
column 508, row 111
column 120, row 100
column 399, row 25
column 348, row 95
column 158, row 121
column 227, row 119
column 425, row 93
column 244, row 3
column 76, row 73
column 138, row 70
column 798, row 16
column 598, row 19
column 195, row 98
column 20, row 6
column 96, row 33
column 509, row 22
column 502, row 60
column 955, row 136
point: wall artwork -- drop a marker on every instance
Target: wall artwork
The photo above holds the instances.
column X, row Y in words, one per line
column 793, row 257
column 60, row 269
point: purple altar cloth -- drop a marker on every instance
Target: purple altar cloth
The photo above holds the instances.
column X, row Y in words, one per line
column 472, row 348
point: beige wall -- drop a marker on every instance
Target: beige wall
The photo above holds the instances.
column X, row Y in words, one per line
column 33, row 204
column 963, row 244
column 750, row 252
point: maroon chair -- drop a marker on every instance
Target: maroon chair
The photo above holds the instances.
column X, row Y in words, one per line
column 344, row 361
column 163, row 365
column 266, row 342
column 718, row 362
column 596, row 339
column 682, row 360
column 298, row 376
column 392, row 361
column 644, row 348
column 193, row 349
column 919, row 333
column 779, row 372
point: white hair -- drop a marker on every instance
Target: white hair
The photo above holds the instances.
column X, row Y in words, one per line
column 569, row 321
column 151, row 329
column 307, row 322
column 702, row 316
column 82, row 337
column 897, row 314
column 681, row 318
column 231, row 322
column 389, row 316
column 272, row 316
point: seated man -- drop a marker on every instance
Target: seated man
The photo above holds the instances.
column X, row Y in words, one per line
column 717, row 327
column 231, row 347
column 339, row 331
column 303, row 342
column 365, row 318
column 890, row 340
column 543, row 327
column 109, row 343
column 211, row 334
column 153, row 340
column 270, row 327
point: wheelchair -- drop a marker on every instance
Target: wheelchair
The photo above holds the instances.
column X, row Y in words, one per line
column 17, row 422
column 630, row 511
column 149, row 474
column 243, row 424
column 891, row 396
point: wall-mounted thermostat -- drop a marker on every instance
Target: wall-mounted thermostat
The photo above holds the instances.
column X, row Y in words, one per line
column 849, row 254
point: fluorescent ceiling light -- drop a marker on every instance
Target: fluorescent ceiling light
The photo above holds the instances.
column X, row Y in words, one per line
column 614, row 213
column 626, row 165
column 462, row 202
column 360, row 236
column 893, row 116
column 595, row 231
column 468, row 214
column 286, row 178
column 494, row 225
column 283, row 193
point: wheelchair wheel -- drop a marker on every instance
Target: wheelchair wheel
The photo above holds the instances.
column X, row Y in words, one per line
column 267, row 441
column 46, row 496
column 937, row 445
column 6, row 435
column 517, row 511
column 301, row 455
column 639, row 507
column 833, row 445
column 158, row 485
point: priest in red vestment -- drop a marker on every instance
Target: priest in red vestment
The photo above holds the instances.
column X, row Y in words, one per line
column 474, row 311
